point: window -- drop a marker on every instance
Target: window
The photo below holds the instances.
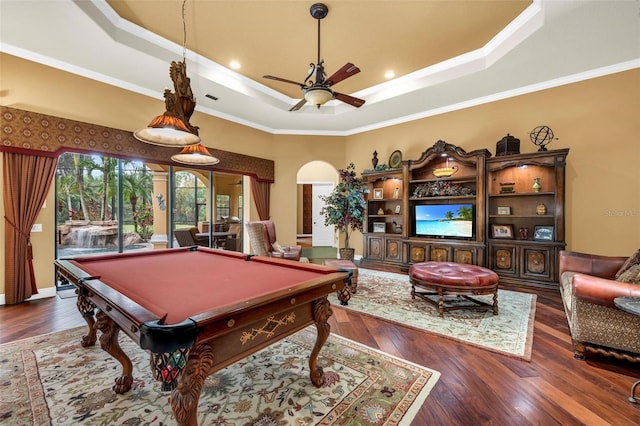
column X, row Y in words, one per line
column 92, row 214
column 190, row 204
column 223, row 206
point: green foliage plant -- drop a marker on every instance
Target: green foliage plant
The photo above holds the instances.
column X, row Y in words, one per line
column 143, row 220
column 345, row 206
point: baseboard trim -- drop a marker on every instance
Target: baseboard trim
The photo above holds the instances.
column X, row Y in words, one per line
column 43, row 293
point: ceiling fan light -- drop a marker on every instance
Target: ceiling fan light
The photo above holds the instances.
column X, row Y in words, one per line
column 195, row 155
column 167, row 130
column 318, row 96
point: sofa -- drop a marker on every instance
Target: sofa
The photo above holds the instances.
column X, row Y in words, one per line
column 588, row 286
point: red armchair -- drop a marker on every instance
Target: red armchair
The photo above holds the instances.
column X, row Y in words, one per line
column 588, row 287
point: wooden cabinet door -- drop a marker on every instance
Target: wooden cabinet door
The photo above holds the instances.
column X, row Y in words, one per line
column 417, row 253
column 538, row 263
column 393, row 249
column 464, row 255
column 440, row 254
column 375, row 247
column 503, row 258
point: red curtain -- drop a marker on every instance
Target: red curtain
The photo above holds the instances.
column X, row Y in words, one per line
column 261, row 193
column 27, row 179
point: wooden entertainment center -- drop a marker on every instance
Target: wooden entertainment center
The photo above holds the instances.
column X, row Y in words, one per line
column 450, row 205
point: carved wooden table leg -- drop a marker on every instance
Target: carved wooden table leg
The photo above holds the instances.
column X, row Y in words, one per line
column 441, row 301
column 321, row 313
column 109, row 343
column 87, row 309
column 184, row 398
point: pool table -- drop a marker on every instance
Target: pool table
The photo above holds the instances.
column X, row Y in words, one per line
column 197, row 310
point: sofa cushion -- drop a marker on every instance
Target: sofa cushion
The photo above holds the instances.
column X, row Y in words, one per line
column 566, row 281
column 631, row 275
column 634, row 259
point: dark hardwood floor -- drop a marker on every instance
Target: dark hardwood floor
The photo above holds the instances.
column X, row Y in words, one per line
column 477, row 387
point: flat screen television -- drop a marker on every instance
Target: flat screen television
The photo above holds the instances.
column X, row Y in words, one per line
column 444, row 220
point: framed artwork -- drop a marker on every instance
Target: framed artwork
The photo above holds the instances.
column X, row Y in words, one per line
column 397, row 211
column 379, row 227
column 377, row 193
column 504, row 211
column 396, row 193
column 543, row 233
column 502, row 231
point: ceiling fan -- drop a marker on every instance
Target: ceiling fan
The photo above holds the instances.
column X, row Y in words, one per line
column 319, row 92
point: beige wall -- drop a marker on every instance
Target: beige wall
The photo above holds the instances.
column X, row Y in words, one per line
column 596, row 119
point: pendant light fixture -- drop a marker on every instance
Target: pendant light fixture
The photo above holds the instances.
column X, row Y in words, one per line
column 172, row 129
column 196, row 155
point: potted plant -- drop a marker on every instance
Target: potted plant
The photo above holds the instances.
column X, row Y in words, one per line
column 345, row 207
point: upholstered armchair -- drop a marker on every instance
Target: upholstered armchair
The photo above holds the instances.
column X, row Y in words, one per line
column 262, row 235
column 233, row 242
column 588, row 285
column 188, row 237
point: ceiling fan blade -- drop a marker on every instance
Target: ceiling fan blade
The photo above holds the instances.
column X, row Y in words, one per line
column 349, row 99
column 271, row 77
column 299, row 105
column 345, row 72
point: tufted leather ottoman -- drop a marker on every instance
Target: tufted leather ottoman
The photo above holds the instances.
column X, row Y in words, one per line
column 446, row 278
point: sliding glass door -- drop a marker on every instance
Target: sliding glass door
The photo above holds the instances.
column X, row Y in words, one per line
column 103, row 204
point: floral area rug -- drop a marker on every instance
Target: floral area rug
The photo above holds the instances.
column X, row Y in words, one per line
column 52, row 380
column 388, row 295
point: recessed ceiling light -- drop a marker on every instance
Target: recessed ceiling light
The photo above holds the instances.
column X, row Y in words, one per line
column 389, row 75
column 234, row 65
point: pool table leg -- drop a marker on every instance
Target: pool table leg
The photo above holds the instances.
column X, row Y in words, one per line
column 184, row 398
column 109, row 343
column 87, row 309
column 321, row 313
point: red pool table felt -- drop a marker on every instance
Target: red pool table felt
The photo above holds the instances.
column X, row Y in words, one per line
column 176, row 284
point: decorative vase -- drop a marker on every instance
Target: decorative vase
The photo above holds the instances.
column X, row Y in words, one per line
column 536, row 185
column 347, row 253
column 541, row 209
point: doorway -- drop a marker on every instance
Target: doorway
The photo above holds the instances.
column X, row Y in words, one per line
column 321, row 235
column 315, row 179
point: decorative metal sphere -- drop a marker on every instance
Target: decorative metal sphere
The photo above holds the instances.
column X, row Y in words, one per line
column 541, row 136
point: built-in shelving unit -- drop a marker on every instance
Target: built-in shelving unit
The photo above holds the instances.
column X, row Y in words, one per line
column 493, row 216
column 421, row 184
column 533, row 218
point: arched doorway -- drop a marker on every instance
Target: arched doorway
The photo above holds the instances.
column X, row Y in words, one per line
column 314, row 179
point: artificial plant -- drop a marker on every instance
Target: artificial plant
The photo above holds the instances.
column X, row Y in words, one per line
column 345, row 206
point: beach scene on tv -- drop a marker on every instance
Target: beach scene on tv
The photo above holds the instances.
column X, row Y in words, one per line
column 445, row 220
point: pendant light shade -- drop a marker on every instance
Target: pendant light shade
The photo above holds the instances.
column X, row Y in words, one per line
column 196, row 155
column 167, row 130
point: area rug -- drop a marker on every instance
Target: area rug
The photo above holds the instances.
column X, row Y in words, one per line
column 388, row 295
column 52, row 380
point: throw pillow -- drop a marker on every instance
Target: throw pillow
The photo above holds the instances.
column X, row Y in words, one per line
column 633, row 260
column 631, row 275
column 277, row 247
